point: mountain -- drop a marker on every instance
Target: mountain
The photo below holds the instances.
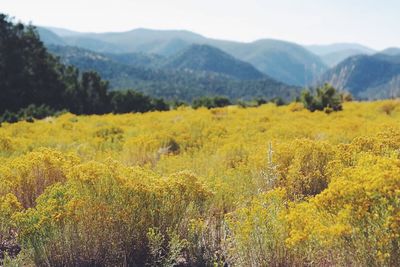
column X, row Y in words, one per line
column 283, row 61
column 337, row 47
column 391, row 51
column 93, row 44
column 49, row 37
column 333, row 54
column 181, row 84
column 140, row 40
column 211, row 59
column 61, row 32
column 138, row 59
column 334, row 58
column 367, row 76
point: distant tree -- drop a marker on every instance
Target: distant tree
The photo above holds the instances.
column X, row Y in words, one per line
column 221, row 101
column 325, row 97
column 31, row 75
column 9, row 116
column 129, row 101
column 159, row 104
column 132, row 101
column 211, row 102
column 36, row 112
column 177, row 103
column 28, row 74
column 278, row 101
column 93, row 92
column 260, row 101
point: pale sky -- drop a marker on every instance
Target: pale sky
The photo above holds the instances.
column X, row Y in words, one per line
column 375, row 23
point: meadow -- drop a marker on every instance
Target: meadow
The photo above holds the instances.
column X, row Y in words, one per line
column 265, row 186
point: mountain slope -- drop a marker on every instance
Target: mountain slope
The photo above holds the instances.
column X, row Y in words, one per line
column 211, row 59
column 333, row 54
column 139, row 40
column 172, row 84
column 281, row 60
column 391, row 51
column 337, row 47
column 284, row 61
column 367, row 77
column 138, row 59
column 62, row 32
column 48, row 37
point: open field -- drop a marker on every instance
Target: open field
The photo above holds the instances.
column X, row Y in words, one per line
column 266, row 186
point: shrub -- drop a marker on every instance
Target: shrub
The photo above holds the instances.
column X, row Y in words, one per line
column 211, row 102
column 325, row 97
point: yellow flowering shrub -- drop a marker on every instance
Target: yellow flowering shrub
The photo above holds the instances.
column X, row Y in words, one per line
column 111, row 207
column 256, row 186
column 28, row 176
column 258, row 232
column 302, row 166
column 356, row 219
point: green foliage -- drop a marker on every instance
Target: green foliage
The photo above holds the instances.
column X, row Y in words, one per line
column 181, row 84
column 28, row 74
column 29, row 113
column 325, row 98
column 132, row 101
column 211, row 102
column 34, row 84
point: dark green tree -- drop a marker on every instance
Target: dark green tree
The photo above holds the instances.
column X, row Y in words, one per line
column 211, row 102
column 28, row 74
column 92, row 94
column 132, row 101
column 324, row 98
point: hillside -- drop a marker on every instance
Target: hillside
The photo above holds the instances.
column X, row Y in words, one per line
column 211, row 59
column 281, row 60
column 337, row 47
column 49, row 37
column 333, row 54
column 172, row 83
column 139, row 40
column 367, row 77
column 139, row 59
column 287, row 62
column 391, row 51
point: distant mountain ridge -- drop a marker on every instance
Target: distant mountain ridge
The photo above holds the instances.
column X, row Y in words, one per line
column 49, row 37
column 366, row 73
column 284, row 61
column 333, row 54
column 367, row 76
column 208, row 58
column 391, row 51
column 181, row 84
column 337, row 47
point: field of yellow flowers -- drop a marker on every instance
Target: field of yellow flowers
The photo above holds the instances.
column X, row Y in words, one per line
column 266, row 186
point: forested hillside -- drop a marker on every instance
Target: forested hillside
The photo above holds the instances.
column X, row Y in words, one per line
column 367, row 77
column 284, row 61
column 158, row 80
column 211, row 59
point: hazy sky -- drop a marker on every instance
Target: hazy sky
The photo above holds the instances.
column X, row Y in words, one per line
column 375, row 23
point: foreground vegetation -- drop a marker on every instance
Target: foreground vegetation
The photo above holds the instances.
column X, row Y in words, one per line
column 266, row 186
